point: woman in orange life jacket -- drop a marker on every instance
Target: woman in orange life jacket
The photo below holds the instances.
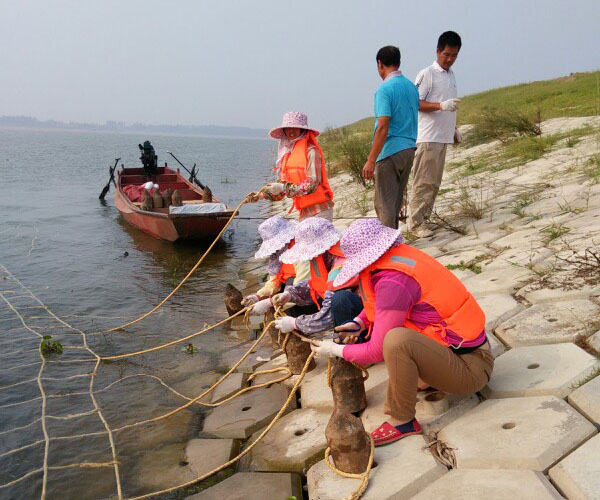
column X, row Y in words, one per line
column 277, row 235
column 300, row 169
column 422, row 322
column 317, row 241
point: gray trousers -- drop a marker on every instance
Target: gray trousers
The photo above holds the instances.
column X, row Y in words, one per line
column 428, row 170
column 391, row 177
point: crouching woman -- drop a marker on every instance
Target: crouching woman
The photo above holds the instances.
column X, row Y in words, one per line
column 422, row 322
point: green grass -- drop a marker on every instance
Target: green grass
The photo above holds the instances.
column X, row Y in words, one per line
column 592, row 168
column 553, row 232
column 573, row 95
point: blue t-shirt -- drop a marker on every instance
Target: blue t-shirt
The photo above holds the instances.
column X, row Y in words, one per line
column 398, row 98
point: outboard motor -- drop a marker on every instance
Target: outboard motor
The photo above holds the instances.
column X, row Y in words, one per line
column 149, row 159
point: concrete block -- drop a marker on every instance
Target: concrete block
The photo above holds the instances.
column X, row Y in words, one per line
column 548, row 323
column 587, row 399
column 520, row 257
column 539, row 370
column 316, row 393
column 463, row 274
column 498, row 308
column 255, row 486
column 464, row 256
column 517, row 433
column 497, row 281
column 527, row 238
column 231, row 384
column 472, row 240
column 295, row 442
column 542, row 295
column 496, row 346
column 242, row 416
column 578, row 475
column 403, row 469
column 594, row 341
column 204, row 455
column 470, row 484
column 278, row 362
column 374, row 415
column 256, row 358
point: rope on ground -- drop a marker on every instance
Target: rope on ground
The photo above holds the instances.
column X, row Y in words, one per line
column 192, row 270
column 178, row 341
column 251, row 445
column 364, row 477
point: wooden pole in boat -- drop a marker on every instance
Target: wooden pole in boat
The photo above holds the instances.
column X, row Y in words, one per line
column 186, row 169
column 111, row 179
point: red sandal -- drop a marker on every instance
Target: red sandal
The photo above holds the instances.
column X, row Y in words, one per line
column 386, row 433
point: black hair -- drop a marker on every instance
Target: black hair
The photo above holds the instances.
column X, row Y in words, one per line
column 449, row 39
column 388, row 55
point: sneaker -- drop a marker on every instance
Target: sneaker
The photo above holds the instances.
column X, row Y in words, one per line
column 422, row 231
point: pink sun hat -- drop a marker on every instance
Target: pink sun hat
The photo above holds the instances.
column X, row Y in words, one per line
column 363, row 243
column 292, row 119
column 276, row 232
column 313, row 236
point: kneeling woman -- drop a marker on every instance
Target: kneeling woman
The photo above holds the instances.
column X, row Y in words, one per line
column 422, row 322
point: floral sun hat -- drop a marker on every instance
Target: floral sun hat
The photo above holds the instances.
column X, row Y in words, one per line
column 363, row 243
column 313, row 236
column 276, row 232
column 292, row 119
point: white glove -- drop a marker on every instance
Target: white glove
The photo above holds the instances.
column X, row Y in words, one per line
column 250, row 299
column 261, row 307
column 285, row 324
column 281, row 299
column 457, row 136
column 449, row 104
column 327, row 348
column 273, row 188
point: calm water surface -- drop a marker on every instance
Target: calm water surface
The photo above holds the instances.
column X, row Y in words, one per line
column 62, row 252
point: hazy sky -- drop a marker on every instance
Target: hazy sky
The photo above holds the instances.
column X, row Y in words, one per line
column 246, row 62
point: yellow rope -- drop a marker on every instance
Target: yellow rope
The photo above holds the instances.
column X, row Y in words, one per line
column 364, row 477
column 250, row 446
column 178, row 341
column 196, row 265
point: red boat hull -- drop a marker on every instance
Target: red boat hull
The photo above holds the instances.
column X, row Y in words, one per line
column 162, row 225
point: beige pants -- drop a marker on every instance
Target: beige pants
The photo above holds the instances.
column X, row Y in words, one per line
column 391, row 177
column 409, row 355
column 428, row 169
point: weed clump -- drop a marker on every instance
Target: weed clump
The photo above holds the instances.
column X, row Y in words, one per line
column 502, row 125
column 49, row 346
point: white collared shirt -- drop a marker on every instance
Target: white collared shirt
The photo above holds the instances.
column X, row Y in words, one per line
column 435, row 84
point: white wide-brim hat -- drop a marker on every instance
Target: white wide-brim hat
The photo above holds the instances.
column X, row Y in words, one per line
column 276, row 232
column 313, row 236
column 365, row 241
column 292, row 119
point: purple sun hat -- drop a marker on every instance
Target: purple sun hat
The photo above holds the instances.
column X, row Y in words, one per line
column 276, row 232
column 313, row 236
column 363, row 243
column 292, row 119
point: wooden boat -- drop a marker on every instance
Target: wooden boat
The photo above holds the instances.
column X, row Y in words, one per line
column 159, row 222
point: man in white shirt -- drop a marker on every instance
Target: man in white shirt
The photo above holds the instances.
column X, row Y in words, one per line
column 437, row 129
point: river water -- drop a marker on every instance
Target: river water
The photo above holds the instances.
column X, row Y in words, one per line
column 63, row 272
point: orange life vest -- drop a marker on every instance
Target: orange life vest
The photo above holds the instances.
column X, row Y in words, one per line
column 293, row 169
column 459, row 310
column 321, row 280
column 287, row 271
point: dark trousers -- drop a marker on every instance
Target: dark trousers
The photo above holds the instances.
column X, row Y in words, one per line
column 345, row 306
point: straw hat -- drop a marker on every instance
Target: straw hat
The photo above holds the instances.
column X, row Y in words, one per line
column 276, row 232
column 313, row 236
column 292, row 119
column 363, row 243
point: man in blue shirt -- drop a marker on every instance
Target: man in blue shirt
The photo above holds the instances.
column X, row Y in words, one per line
column 395, row 137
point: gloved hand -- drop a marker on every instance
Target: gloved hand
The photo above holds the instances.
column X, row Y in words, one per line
column 261, row 307
column 273, row 188
column 349, row 332
column 281, row 299
column 457, row 136
column 253, row 197
column 285, row 324
column 326, row 348
column 449, row 104
column 250, row 299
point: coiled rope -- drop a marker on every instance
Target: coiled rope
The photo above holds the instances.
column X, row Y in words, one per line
column 186, row 277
